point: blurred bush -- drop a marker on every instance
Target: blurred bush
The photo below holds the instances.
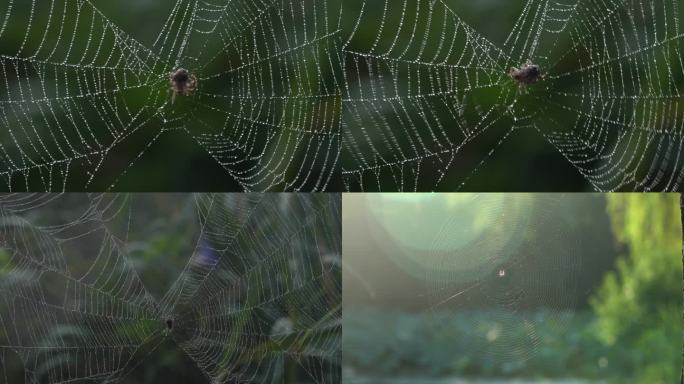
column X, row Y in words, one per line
column 382, row 343
column 639, row 305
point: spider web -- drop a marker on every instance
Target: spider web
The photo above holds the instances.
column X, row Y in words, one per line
column 486, row 272
column 83, row 101
column 498, row 280
column 426, row 88
column 259, row 294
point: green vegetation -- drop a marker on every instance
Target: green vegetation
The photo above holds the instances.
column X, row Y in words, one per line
column 639, row 304
column 645, row 355
column 425, row 350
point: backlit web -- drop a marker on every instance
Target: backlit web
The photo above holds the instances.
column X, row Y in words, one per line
column 424, row 88
column 258, row 298
column 82, row 101
column 505, row 271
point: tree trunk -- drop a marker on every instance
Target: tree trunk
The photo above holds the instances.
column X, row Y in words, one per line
column 681, row 203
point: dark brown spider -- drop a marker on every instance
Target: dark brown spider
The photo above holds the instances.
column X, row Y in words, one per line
column 182, row 83
column 169, row 324
column 528, row 74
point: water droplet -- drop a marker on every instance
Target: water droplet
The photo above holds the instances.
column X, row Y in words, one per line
column 603, row 362
column 493, row 334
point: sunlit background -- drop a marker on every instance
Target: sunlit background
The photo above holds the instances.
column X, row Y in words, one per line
column 553, row 288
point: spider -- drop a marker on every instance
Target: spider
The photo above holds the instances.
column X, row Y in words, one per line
column 182, row 82
column 169, row 322
column 527, row 74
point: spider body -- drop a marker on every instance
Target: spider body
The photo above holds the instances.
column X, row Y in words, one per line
column 182, row 83
column 169, row 323
column 527, row 74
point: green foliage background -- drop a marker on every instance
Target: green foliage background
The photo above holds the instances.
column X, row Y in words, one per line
column 639, row 304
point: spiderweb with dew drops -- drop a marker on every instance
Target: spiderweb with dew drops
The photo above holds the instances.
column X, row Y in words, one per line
column 509, row 270
column 257, row 299
column 428, row 100
column 83, row 102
